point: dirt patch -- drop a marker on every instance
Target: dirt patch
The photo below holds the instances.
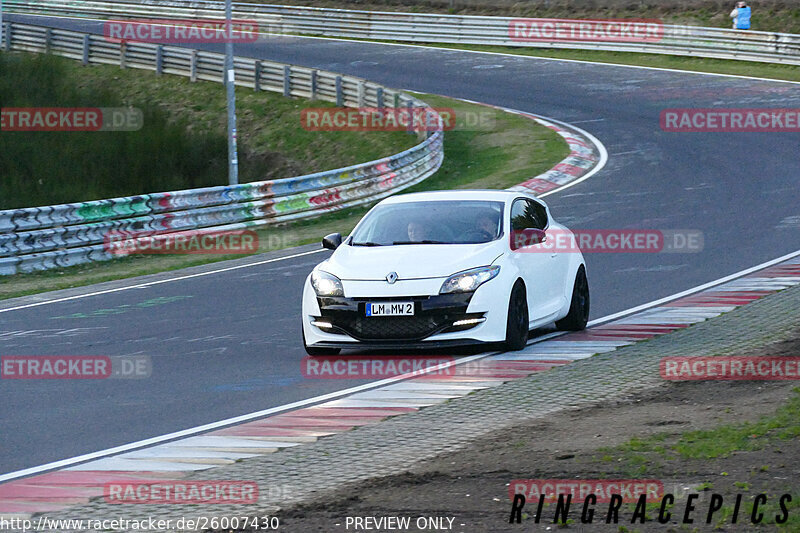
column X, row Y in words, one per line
column 632, row 439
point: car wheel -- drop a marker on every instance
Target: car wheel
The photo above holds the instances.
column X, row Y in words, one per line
column 578, row 314
column 312, row 350
column 517, row 319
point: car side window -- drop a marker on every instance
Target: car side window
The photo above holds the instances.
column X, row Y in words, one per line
column 528, row 214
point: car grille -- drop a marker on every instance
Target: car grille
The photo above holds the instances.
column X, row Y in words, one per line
column 391, row 328
column 432, row 314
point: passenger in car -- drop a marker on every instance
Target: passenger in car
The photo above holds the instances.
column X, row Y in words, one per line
column 488, row 225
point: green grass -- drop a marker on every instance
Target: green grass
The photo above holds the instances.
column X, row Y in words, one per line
column 182, row 144
column 712, row 443
column 41, row 168
column 722, row 441
column 512, row 150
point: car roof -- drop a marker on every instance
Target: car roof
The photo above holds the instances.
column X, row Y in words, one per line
column 497, row 195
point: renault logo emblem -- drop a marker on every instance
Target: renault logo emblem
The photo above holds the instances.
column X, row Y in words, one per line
column 391, row 277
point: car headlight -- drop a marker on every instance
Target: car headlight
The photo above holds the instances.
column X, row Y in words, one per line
column 469, row 280
column 326, row 284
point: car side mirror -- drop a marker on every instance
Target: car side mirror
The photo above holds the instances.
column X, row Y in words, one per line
column 332, row 241
column 526, row 237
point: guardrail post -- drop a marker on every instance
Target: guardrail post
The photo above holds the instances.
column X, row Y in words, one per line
column 287, row 81
column 411, row 117
column 379, row 97
column 7, row 36
column 48, row 40
column 159, row 59
column 313, row 84
column 123, row 51
column 193, row 66
column 396, row 100
column 86, row 49
column 339, row 95
column 257, row 76
column 360, row 94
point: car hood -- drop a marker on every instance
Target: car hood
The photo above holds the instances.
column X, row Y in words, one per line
column 409, row 261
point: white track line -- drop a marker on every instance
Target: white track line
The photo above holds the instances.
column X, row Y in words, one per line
column 229, row 421
column 699, row 288
column 158, row 282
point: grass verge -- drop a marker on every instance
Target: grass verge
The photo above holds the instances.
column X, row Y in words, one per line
column 719, row 442
column 182, row 144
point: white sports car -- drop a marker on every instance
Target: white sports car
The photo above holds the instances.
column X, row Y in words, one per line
column 445, row 268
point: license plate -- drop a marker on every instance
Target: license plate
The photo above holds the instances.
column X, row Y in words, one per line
column 390, row 309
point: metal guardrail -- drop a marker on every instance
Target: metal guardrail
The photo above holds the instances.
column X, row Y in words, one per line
column 432, row 28
column 41, row 238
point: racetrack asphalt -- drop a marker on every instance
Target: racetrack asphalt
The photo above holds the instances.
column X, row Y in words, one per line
column 228, row 344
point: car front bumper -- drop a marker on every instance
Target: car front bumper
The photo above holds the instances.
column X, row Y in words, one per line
column 433, row 315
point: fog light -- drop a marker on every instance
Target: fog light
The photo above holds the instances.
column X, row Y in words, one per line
column 322, row 324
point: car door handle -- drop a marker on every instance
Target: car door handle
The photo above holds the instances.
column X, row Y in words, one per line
column 554, row 252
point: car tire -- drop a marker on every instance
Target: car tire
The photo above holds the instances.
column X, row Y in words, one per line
column 578, row 314
column 314, row 351
column 517, row 319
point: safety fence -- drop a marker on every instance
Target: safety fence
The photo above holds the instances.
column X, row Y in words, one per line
column 626, row 36
column 42, row 238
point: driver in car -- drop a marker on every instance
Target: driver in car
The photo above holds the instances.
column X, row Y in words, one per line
column 418, row 232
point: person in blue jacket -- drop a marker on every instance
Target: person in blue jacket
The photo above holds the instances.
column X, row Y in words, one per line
column 741, row 16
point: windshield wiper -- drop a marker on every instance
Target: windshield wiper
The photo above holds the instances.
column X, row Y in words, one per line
column 420, row 242
column 368, row 243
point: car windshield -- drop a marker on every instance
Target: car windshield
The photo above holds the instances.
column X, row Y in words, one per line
column 431, row 222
